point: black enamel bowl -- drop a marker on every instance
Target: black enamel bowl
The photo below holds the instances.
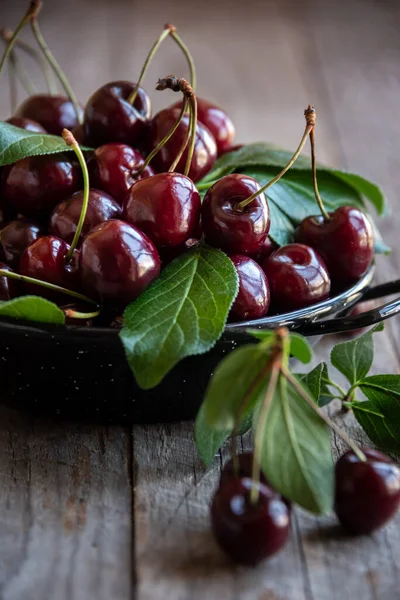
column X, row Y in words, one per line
column 81, row 372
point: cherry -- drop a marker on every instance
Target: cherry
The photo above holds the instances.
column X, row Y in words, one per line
column 118, row 262
column 8, row 287
column 297, row 276
column 45, row 260
column 54, row 113
column 34, row 185
column 345, row 242
column 268, row 247
column 65, row 216
column 253, row 298
column 166, row 207
column 217, row 122
column 249, row 532
column 6, row 214
column 79, row 134
column 245, row 460
column 167, row 255
column 109, row 117
column 112, row 169
column 367, row 493
column 237, row 231
column 16, row 237
column 205, row 149
column 27, row 124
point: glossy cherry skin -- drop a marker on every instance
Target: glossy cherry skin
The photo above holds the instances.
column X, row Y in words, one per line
column 8, row 287
column 265, row 251
column 224, row 226
column 117, row 262
column 205, row 150
column 65, row 216
column 54, row 113
column 34, row 185
column 345, row 242
column 15, row 237
column 367, row 494
column 109, row 117
column 249, row 532
column 27, row 124
column 45, row 260
column 253, row 298
column 245, row 469
column 166, row 207
column 113, row 169
column 217, row 122
column 297, row 277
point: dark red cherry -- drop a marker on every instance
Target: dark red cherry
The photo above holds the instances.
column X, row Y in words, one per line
column 6, row 214
column 235, row 231
column 118, row 262
column 166, row 207
column 217, row 122
column 249, row 532
column 245, row 469
column 79, row 134
column 297, row 277
column 27, row 124
column 112, row 169
column 34, row 185
column 231, row 149
column 345, row 242
column 54, row 113
column 65, row 216
column 265, row 251
column 16, row 237
column 9, row 288
column 253, row 297
column 45, row 260
column 109, row 117
column 167, row 255
column 205, row 150
column 367, row 494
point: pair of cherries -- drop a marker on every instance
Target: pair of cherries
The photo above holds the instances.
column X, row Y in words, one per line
column 367, row 496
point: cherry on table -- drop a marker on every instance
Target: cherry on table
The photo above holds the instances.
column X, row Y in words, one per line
column 166, row 207
column 9, row 288
column 367, row 493
column 27, row 124
column 109, row 117
column 65, row 217
column 117, row 262
column 113, row 169
column 297, row 277
column 34, row 185
column 15, row 237
column 54, row 113
column 249, row 532
column 253, row 298
column 237, row 231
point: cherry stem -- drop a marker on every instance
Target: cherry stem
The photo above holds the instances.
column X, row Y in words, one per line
column 185, row 140
column 309, row 114
column 189, row 58
column 192, row 127
column 314, row 175
column 311, row 403
column 25, row 19
column 74, row 314
column 164, row 34
column 22, row 74
column 71, row 141
column 47, row 285
column 12, row 84
column 51, row 60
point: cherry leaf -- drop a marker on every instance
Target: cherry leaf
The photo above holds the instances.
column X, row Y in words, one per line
column 32, row 308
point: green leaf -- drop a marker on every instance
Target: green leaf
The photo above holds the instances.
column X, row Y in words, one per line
column 299, row 347
column 32, row 308
column 17, row 143
column 296, row 452
column 366, row 188
column 182, row 313
column 354, row 358
column 386, row 383
column 317, row 382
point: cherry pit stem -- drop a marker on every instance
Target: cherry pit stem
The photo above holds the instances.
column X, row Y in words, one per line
column 74, row 314
column 189, row 58
column 314, row 175
column 309, row 114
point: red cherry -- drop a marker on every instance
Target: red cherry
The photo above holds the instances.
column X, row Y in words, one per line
column 345, row 242
column 367, row 494
column 235, row 231
column 54, row 113
column 27, row 124
column 268, row 247
column 245, row 460
column 112, row 169
column 297, row 277
column 118, row 262
column 217, row 122
column 109, row 117
column 34, row 185
column 65, row 216
column 253, row 298
column 166, row 207
column 167, row 255
column 9, row 288
column 205, row 150
column 16, row 237
column 249, row 532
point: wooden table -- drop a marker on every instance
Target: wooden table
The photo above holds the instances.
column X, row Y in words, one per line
column 113, row 512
